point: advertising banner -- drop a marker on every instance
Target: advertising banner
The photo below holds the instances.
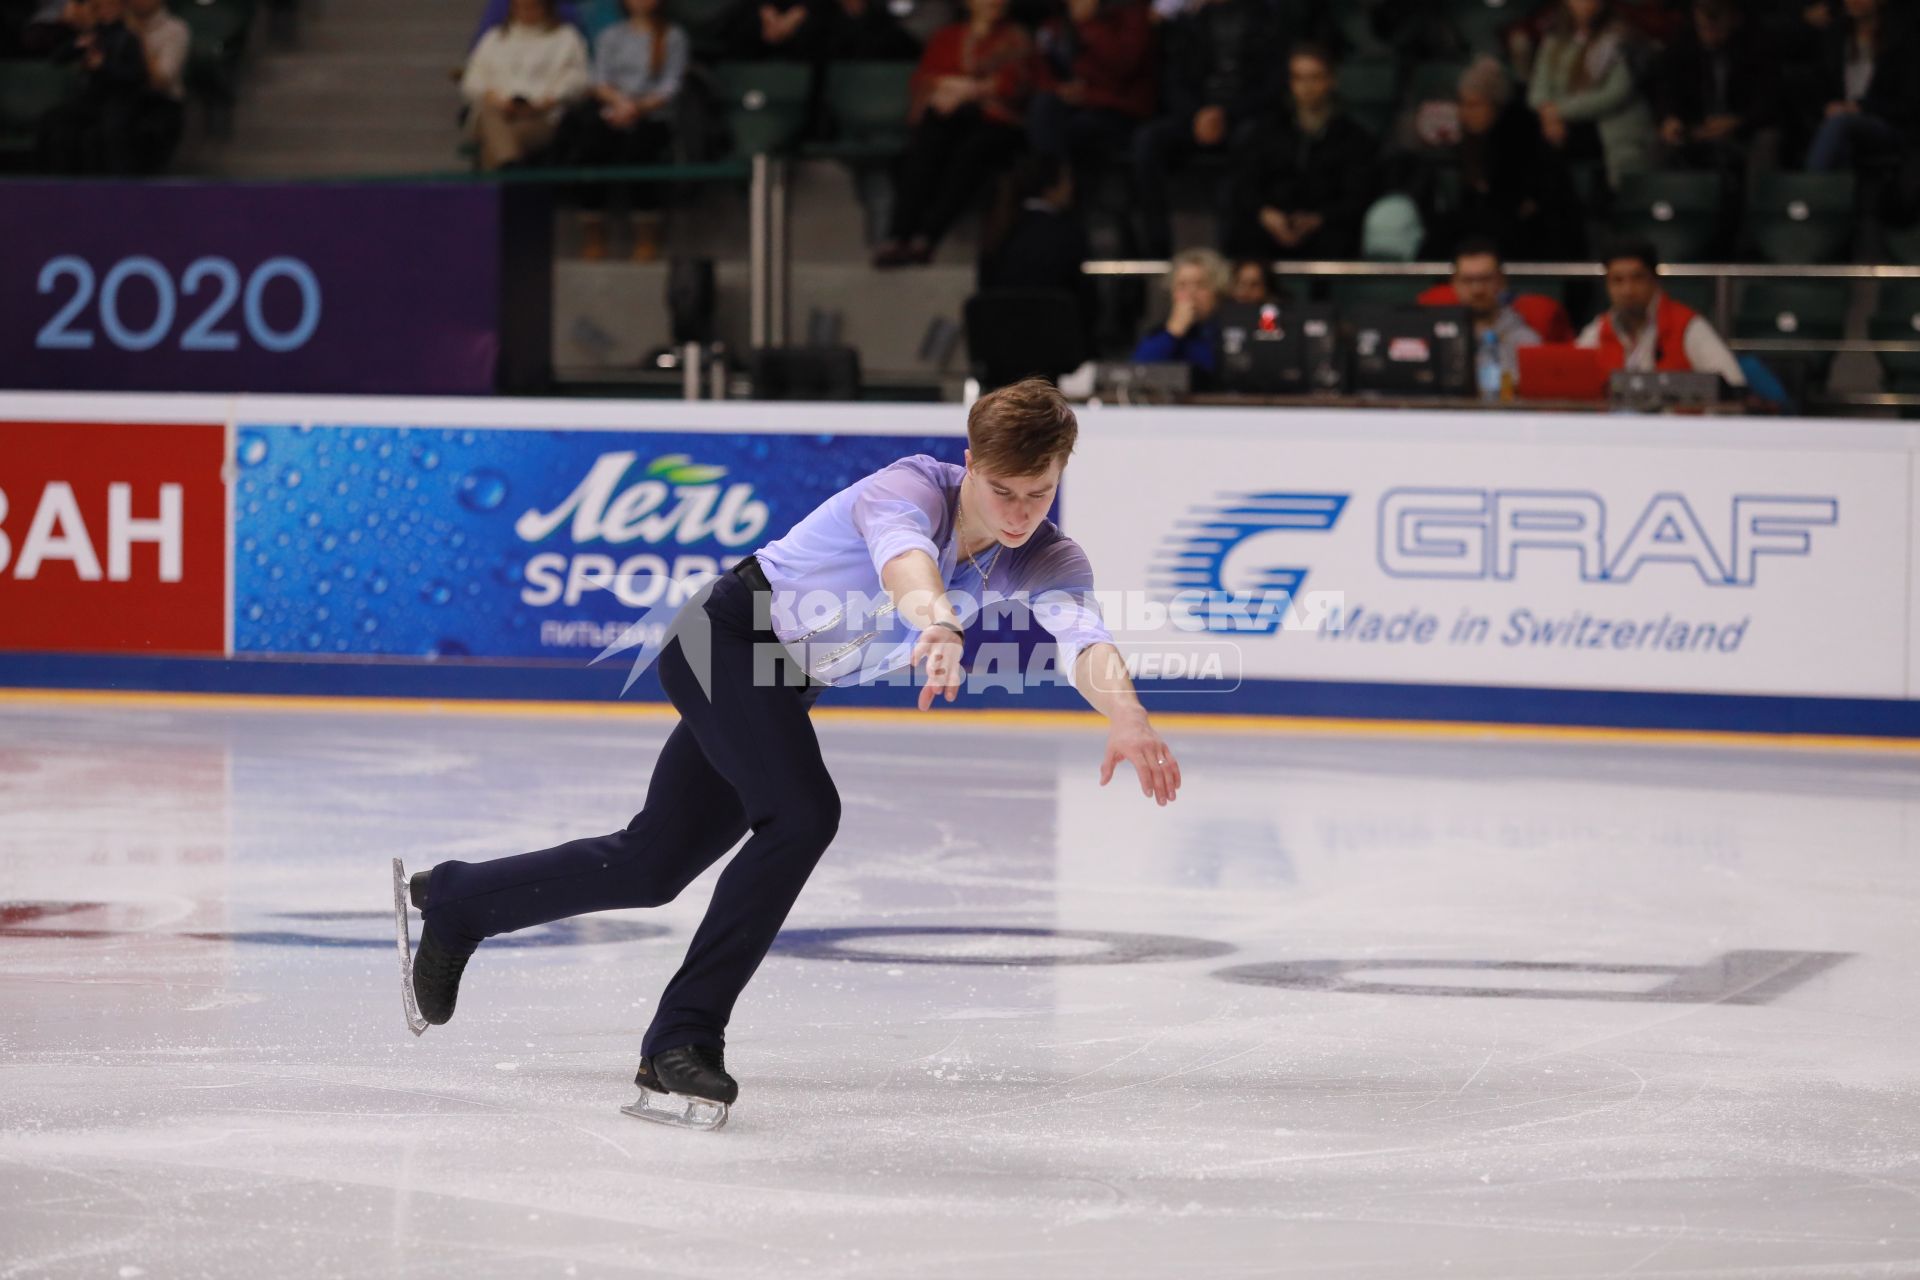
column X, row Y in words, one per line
column 433, row 541
column 1570, row 562
column 249, row 287
column 112, row 537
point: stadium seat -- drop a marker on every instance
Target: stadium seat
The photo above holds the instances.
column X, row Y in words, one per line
column 1701, row 293
column 765, row 103
column 29, row 88
column 1679, row 212
column 868, row 103
column 218, row 32
column 1896, row 318
column 1481, row 24
column 1903, row 244
column 1794, row 309
column 1437, row 81
column 1800, row 217
column 705, row 22
column 1370, row 91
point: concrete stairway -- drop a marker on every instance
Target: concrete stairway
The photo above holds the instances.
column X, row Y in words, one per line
column 364, row 88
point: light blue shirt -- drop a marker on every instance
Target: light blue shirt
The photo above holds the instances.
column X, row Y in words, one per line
column 830, row 608
column 623, row 60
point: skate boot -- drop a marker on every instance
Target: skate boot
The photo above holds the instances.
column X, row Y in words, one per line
column 429, row 977
column 687, row 1087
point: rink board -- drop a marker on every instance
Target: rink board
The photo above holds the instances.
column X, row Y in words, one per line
column 1499, row 567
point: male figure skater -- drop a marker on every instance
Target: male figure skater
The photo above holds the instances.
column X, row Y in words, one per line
column 744, row 758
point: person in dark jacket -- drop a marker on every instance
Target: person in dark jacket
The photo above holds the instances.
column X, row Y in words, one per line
column 1713, row 90
column 1304, row 183
column 1220, row 80
column 1033, row 238
column 1871, row 89
column 860, row 31
column 1190, row 336
column 1513, row 187
column 96, row 131
column 1094, row 83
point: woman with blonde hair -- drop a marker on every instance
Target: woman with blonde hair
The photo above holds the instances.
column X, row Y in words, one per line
column 1195, row 279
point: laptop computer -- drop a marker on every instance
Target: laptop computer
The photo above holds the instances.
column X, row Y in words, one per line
column 1561, row 371
column 1423, row 351
column 1274, row 349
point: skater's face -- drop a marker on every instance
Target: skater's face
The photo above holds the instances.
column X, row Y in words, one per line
column 1010, row 507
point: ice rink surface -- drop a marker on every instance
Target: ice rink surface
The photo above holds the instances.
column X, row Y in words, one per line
column 1358, row 1005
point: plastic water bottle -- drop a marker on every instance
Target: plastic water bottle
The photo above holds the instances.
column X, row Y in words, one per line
column 1488, row 367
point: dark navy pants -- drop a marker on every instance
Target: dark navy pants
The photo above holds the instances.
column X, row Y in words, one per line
column 745, row 759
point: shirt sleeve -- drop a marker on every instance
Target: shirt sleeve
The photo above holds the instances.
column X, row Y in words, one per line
column 896, row 512
column 1707, row 354
column 481, row 73
column 1589, row 336
column 1062, row 600
column 675, row 68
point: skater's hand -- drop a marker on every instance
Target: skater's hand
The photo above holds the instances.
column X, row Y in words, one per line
column 1135, row 741
column 939, row 649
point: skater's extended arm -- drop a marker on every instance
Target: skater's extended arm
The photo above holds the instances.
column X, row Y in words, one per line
column 1100, row 674
column 912, row 579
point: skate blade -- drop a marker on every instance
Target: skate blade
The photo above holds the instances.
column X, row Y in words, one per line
column 404, row 940
column 678, row 1111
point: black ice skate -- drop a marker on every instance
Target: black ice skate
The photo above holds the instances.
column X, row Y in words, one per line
column 687, row 1087
column 429, row 978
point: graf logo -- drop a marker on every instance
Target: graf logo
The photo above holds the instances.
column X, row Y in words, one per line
column 1227, row 553
column 602, row 511
column 1481, row 533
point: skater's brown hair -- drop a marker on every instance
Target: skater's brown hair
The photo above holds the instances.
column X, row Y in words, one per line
column 1021, row 428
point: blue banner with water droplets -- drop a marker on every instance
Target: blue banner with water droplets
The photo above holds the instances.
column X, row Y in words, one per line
column 395, row 541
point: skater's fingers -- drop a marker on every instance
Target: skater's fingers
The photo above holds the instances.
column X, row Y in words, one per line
column 1106, row 766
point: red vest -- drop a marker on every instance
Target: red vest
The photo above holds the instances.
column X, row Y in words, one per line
column 1669, row 344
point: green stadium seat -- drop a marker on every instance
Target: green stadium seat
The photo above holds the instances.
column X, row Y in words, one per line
column 1903, row 244
column 1696, row 292
column 868, row 102
column 1370, row 91
column 1678, row 212
column 1437, row 81
column 1896, row 318
column 765, row 103
column 29, row 88
column 1481, row 23
column 705, row 22
column 1800, row 217
column 1794, row 309
column 218, row 31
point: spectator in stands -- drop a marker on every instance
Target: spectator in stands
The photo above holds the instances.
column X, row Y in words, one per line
column 759, row 30
column 1189, row 336
column 1033, row 238
column 626, row 118
column 1094, row 83
column 1712, row 91
column 861, row 31
column 1871, row 81
column 520, row 80
column 1480, row 285
column 94, row 133
column 162, row 111
column 1305, row 180
column 1219, row 81
column 969, row 105
column 1643, row 330
column 1514, row 187
column 1251, row 283
column 1584, row 91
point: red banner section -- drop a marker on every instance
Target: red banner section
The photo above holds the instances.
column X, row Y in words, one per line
column 112, row 538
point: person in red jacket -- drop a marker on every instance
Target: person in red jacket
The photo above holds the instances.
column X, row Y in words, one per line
column 968, row 115
column 1094, row 81
column 1643, row 330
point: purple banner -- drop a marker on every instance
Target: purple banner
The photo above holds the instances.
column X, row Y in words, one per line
column 241, row 287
